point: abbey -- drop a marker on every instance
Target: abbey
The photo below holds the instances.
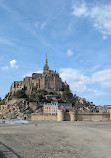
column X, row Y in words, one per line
column 48, row 80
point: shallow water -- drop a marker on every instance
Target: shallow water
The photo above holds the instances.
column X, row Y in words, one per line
column 13, row 121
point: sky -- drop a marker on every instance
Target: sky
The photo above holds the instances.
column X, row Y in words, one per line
column 75, row 34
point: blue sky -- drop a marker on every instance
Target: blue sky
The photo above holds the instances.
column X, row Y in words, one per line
column 76, row 35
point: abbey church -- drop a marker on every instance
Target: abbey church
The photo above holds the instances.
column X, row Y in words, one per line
column 48, row 80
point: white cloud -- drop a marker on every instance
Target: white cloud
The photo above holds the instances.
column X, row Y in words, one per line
column 92, row 93
column 99, row 14
column 94, row 68
column 4, row 6
column 75, row 79
column 39, row 71
column 5, row 68
column 103, row 77
column 80, row 9
column 80, row 83
column 27, row 25
column 5, row 41
column 70, row 52
column 13, row 63
column 27, row 75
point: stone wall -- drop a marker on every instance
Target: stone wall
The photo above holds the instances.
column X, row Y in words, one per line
column 71, row 116
column 43, row 117
column 93, row 117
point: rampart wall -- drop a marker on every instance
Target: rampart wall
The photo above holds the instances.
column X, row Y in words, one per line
column 43, row 117
column 71, row 116
column 93, row 117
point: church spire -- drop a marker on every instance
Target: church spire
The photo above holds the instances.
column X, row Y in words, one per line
column 46, row 59
column 46, row 67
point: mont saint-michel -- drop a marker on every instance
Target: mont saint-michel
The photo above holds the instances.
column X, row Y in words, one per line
column 44, row 96
column 55, row 78
column 49, row 80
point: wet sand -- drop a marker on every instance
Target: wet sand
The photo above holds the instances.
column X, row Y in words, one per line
column 56, row 140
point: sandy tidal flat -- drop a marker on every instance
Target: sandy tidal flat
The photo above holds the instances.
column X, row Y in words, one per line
column 56, row 140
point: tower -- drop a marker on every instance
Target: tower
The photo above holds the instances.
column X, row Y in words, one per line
column 46, row 67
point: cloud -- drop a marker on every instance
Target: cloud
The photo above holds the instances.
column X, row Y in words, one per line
column 80, row 9
column 94, row 68
column 5, row 68
column 80, row 83
column 103, row 77
column 28, row 26
column 75, row 79
column 5, row 41
column 70, row 52
column 4, row 6
column 13, row 63
column 100, row 15
column 92, row 93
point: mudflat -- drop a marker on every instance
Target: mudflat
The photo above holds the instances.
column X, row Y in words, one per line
column 56, row 140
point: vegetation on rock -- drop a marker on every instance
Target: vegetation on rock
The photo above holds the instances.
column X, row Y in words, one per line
column 20, row 94
column 2, row 101
column 38, row 96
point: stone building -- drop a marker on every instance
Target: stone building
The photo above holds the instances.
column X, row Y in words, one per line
column 50, row 108
column 48, row 80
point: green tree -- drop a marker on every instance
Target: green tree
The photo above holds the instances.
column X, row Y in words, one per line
column 58, row 96
column 2, row 101
column 6, row 95
column 65, row 88
column 48, row 100
column 20, row 94
column 42, row 92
